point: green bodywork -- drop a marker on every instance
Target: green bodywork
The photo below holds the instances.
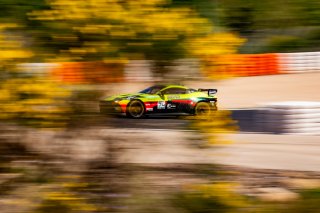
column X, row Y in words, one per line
column 160, row 100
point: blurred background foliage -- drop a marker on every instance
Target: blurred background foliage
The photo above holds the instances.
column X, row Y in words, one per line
column 260, row 21
column 156, row 30
column 28, row 99
column 255, row 20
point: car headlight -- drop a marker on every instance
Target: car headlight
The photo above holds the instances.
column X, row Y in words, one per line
column 117, row 100
column 124, row 98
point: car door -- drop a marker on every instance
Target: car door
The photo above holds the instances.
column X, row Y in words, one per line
column 173, row 97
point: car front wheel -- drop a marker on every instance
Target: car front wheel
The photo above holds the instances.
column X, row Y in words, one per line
column 135, row 109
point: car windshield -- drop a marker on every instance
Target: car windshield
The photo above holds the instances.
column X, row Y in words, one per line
column 153, row 89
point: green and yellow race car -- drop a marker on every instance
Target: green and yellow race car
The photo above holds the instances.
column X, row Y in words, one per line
column 162, row 99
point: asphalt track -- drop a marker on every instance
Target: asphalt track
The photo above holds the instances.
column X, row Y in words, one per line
column 154, row 122
column 244, row 118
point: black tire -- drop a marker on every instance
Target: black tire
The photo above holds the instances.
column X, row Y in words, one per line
column 215, row 107
column 202, row 109
column 135, row 109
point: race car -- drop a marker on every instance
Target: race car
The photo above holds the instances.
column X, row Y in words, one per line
column 162, row 99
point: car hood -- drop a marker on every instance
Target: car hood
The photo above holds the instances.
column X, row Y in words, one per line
column 128, row 96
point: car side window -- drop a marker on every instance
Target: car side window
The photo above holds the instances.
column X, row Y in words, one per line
column 191, row 90
column 174, row 91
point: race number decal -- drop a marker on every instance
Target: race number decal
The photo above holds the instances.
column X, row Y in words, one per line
column 161, row 105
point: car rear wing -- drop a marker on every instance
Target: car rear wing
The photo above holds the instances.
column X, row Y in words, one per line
column 211, row 92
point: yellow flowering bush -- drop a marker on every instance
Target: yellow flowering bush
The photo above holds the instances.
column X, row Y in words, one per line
column 132, row 29
column 214, row 125
column 222, row 192
column 35, row 101
column 23, row 96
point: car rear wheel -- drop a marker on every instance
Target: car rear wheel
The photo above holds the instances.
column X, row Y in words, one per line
column 135, row 109
column 202, row 109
